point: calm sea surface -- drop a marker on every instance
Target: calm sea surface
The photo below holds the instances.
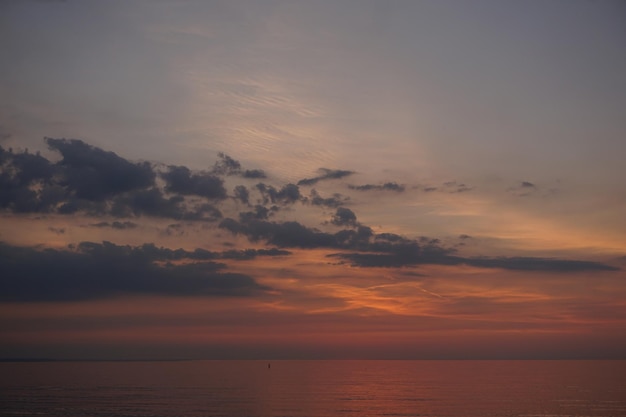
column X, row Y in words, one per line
column 314, row 388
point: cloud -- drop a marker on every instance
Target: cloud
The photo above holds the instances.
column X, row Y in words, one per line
column 90, row 173
column 95, row 182
column 539, row 264
column 287, row 234
column 152, row 202
column 116, row 225
column 289, row 193
column 229, row 166
column 450, row 187
column 247, row 254
column 25, row 182
column 326, row 174
column 344, row 217
column 442, row 256
column 259, row 213
column 391, row 250
column 241, row 193
column 226, row 165
column 523, row 189
column 181, row 180
column 105, row 270
column 293, row 234
column 388, row 186
column 335, row 201
column 455, row 187
column 254, row 173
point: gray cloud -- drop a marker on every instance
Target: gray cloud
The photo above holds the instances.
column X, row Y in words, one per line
column 94, row 270
column 229, row 166
column 259, row 213
column 441, row 256
column 288, row 194
column 181, row 180
column 388, row 186
column 254, row 173
column 325, row 174
column 152, row 202
column 335, row 201
column 523, row 189
column 90, row 173
column 344, row 217
column 116, row 225
column 26, row 183
column 539, row 264
column 455, row 187
column 391, row 250
column 226, row 165
column 96, row 182
column 241, row 193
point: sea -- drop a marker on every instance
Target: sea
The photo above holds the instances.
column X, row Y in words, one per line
column 316, row 388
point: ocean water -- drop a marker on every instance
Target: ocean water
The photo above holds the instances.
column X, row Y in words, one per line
column 314, row 388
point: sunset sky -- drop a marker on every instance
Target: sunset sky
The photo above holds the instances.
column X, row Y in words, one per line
column 321, row 179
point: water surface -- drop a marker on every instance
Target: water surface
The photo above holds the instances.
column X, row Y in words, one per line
column 314, row 388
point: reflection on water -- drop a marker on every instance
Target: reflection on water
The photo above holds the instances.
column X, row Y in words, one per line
column 314, row 388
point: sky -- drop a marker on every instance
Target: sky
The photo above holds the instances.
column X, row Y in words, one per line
column 329, row 179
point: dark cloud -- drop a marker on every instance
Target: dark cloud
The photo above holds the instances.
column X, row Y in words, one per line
column 95, row 182
column 289, row 193
column 254, row 173
column 527, row 184
column 226, row 165
column 344, row 217
column 287, row 234
column 335, row 201
column 152, row 202
column 259, row 213
column 441, row 256
column 451, row 187
column 295, row 235
column 57, row 230
column 123, row 225
column 116, row 225
column 229, row 166
column 391, row 250
column 388, row 186
column 326, row 174
column 539, row 264
column 241, row 193
column 247, row 254
column 181, row 180
column 26, row 182
column 174, row 229
column 90, row 173
column 93, row 271
column 91, row 181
